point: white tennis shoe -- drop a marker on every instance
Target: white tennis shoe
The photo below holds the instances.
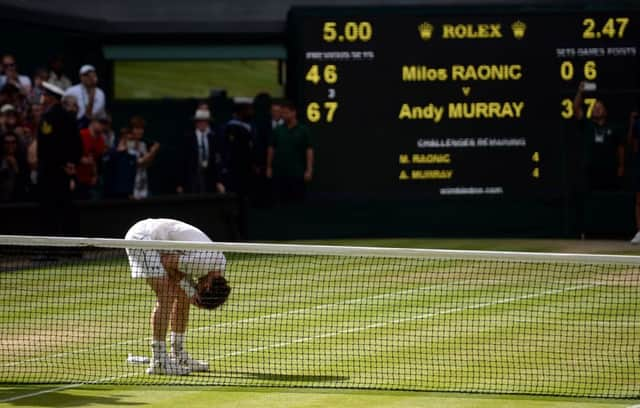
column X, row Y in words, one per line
column 167, row 366
column 194, row 365
column 636, row 238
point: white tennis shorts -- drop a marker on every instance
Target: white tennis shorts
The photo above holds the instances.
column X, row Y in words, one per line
column 146, row 263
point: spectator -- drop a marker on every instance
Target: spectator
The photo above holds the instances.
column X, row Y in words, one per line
column 237, row 148
column 59, row 151
column 276, row 114
column 199, row 160
column 11, row 75
column 11, row 95
column 32, row 165
column 203, row 105
column 10, row 169
column 88, row 170
column 41, row 75
column 262, row 128
column 290, row 156
column 239, row 161
column 33, row 117
column 602, row 146
column 70, row 104
column 11, row 122
column 5, row 111
column 109, row 134
column 145, row 152
column 56, row 73
column 90, row 98
column 120, row 168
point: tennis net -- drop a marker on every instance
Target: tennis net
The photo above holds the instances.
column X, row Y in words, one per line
column 330, row 317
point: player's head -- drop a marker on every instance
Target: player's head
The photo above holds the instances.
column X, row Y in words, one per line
column 213, row 291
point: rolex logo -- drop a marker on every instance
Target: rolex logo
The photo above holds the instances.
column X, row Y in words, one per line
column 518, row 29
column 426, row 30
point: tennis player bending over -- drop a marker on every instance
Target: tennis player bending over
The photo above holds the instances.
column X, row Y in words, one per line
column 171, row 275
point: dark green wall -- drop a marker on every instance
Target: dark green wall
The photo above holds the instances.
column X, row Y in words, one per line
column 214, row 214
column 606, row 215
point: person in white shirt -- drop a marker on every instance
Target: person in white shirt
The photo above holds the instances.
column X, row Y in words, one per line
column 178, row 278
column 91, row 99
column 10, row 75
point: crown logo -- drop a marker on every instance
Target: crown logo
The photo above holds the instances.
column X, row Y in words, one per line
column 518, row 29
column 426, row 30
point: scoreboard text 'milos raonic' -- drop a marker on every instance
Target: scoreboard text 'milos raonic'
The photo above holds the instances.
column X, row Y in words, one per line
column 411, row 100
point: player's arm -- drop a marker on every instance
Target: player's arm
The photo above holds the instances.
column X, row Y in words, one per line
column 171, row 263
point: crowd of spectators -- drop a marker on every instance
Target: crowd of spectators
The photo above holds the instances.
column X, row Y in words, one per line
column 58, row 144
column 267, row 159
column 43, row 120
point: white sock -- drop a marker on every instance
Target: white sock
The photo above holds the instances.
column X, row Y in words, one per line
column 158, row 350
column 177, row 343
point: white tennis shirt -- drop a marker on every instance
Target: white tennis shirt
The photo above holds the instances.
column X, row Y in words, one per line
column 195, row 263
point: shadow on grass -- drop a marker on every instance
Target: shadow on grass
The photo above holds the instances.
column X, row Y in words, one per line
column 42, row 397
column 273, row 377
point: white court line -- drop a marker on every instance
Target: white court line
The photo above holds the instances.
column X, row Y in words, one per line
column 35, row 394
column 235, row 322
column 407, row 319
column 65, row 387
column 337, row 333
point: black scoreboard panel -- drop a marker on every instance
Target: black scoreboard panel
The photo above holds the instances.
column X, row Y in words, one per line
column 423, row 100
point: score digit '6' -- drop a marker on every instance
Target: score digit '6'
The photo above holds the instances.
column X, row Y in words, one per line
column 315, row 114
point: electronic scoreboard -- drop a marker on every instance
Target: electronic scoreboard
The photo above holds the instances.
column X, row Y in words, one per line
column 454, row 101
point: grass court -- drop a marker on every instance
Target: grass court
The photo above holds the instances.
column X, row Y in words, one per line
column 317, row 331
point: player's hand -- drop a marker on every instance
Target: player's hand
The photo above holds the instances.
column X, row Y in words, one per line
column 170, row 262
column 620, row 171
column 308, row 175
column 220, row 188
column 269, row 172
column 179, row 190
column 195, row 300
